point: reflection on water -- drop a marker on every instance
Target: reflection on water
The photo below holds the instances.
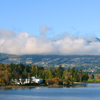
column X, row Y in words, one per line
column 79, row 92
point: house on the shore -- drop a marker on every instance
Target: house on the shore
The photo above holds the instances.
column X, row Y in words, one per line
column 27, row 80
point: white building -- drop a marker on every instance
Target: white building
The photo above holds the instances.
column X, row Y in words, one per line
column 27, row 80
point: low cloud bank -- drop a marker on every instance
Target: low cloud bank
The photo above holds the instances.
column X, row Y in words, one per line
column 24, row 43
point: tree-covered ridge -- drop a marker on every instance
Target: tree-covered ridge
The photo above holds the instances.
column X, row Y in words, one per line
column 88, row 63
column 50, row 76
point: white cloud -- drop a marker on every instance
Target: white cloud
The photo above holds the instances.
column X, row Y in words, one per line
column 4, row 33
column 24, row 43
column 44, row 29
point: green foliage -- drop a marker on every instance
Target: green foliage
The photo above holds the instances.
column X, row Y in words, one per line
column 68, row 69
column 41, row 74
column 60, row 71
column 93, row 80
column 75, row 76
column 54, row 76
column 92, row 76
column 24, row 74
column 85, row 77
column 68, row 81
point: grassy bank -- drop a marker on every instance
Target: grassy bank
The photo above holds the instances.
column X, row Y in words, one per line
column 93, row 80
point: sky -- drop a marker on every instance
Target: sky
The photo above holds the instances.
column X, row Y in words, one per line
column 63, row 27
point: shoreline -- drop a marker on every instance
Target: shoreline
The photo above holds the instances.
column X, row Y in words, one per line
column 86, row 83
column 49, row 86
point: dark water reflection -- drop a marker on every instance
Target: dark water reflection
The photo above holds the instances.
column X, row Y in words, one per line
column 79, row 92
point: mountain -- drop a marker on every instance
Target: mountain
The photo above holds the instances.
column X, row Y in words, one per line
column 90, row 63
column 49, row 59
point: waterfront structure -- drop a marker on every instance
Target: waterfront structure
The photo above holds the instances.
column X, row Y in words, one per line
column 27, row 80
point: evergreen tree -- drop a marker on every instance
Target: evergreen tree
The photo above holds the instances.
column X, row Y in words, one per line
column 92, row 76
column 85, row 77
column 60, row 71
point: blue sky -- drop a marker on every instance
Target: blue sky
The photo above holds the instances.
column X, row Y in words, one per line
column 65, row 27
column 79, row 17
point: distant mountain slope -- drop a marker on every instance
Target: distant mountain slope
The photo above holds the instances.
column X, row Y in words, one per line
column 49, row 59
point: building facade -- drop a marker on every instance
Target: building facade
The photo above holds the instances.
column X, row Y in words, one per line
column 27, row 80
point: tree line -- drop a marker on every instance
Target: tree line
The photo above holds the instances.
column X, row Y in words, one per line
column 51, row 76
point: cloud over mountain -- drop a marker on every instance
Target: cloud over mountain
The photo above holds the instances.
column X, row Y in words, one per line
column 24, row 43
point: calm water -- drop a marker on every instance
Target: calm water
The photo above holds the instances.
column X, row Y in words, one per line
column 87, row 92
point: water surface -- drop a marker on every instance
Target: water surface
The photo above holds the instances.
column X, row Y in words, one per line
column 79, row 92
